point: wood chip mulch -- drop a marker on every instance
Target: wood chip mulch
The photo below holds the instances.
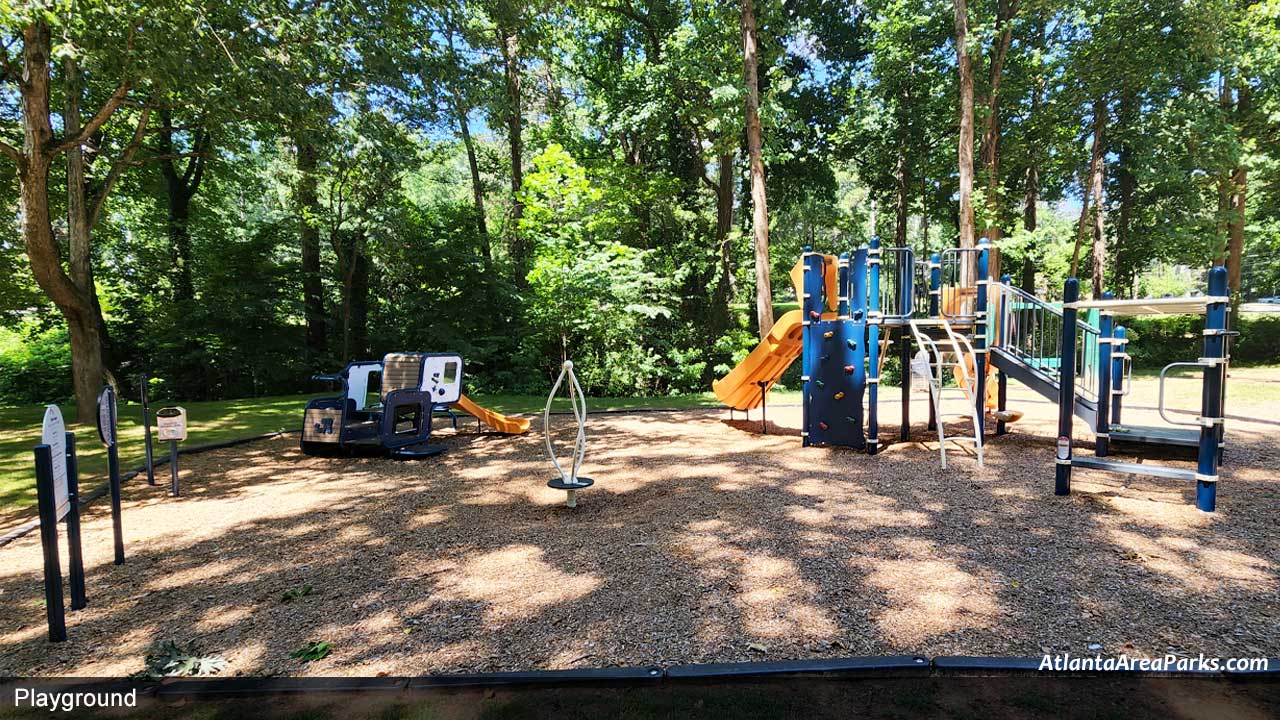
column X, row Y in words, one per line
column 701, row 541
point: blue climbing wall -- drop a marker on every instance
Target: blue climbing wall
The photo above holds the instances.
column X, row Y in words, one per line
column 835, row 356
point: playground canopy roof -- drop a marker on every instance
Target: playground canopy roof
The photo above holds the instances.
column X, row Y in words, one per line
column 1152, row 306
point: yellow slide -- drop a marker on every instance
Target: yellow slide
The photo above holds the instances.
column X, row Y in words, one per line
column 495, row 420
column 765, row 364
column 952, row 302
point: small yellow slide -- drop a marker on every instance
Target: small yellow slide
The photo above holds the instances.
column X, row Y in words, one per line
column 765, row 364
column 495, row 420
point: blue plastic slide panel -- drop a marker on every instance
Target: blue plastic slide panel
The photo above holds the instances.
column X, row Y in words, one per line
column 838, row 382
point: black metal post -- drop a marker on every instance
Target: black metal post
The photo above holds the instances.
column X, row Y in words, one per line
column 113, row 473
column 904, row 370
column 173, row 469
column 75, row 555
column 1066, row 387
column 48, row 506
column 764, row 423
column 146, row 429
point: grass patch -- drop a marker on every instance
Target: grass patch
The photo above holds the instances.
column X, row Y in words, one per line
column 207, row 422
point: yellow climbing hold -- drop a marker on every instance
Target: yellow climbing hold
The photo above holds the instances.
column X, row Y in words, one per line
column 827, row 335
column 839, row 395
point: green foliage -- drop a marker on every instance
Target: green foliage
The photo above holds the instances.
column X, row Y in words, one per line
column 312, row 651
column 35, row 365
column 295, row 593
column 1157, row 341
column 168, row 659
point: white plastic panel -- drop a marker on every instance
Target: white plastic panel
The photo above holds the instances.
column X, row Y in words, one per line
column 442, row 377
column 358, row 381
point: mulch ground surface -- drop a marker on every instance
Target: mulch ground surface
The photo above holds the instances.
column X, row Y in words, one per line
column 701, row 541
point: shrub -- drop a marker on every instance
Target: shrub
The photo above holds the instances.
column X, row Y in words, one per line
column 1157, row 341
column 35, row 366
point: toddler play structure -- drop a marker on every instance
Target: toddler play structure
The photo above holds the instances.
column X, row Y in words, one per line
column 408, row 389
column 974, row 334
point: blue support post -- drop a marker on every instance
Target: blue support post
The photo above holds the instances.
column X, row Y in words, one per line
column 1119, row 353
column 811, row 305
column 874, row 318
column 935, row 284
column 980, row 334
column 1102, row 431
column 1215, row 357
column 1002, row 381
column 1066, row 387
column 842, row 285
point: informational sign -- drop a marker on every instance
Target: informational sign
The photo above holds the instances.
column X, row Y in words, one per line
column 54, row 434
column 171, row 423
column 107, row 416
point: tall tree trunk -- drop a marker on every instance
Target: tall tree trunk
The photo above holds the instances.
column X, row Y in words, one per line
column 1091, row 211
column 1239, row 190
column 755, row 150
column 902, row 199
column 180, row 187
column 80, row 213
column 965, row 143
column 924, row 215
column 180, row 242
column 722, row 296
column 1030, row 222
column 991, row 133
column 33, row 161
column 355, row 294
column 1126, row 186
column 308, row 203
column 477, row 183
column 509, row 41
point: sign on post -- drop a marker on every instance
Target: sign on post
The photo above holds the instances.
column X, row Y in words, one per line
column 54, row 434
column 107, row 432
column 107, row 416
column 57, row 490
column 171, row 424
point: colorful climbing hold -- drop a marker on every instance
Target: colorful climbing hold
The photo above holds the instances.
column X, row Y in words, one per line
column 827, row 335
column 822, row 425
column 848, row 369
column 825, row 358
column 840, row 395
column 853, row 344
column 819, row 383
column 815, row 315
column 851, row 420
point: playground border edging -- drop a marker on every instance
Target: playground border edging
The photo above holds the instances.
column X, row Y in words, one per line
column 857, row 667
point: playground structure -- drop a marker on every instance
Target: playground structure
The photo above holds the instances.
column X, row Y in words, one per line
column 571, row 482
column 977, row 333
column 410, row 388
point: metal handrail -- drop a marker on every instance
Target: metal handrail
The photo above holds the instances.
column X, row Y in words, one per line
column 1160, row 403
column 1030, row 330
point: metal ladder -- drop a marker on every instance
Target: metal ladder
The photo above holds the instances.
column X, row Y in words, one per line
column 948, row 352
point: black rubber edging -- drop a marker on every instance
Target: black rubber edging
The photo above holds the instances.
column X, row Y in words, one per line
column 889, row 666
column 586, row 676
column 230, row 687
column 881, row 666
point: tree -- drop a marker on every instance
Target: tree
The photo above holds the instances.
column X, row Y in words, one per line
column 755, row 153
column 964, row 64
column 71, row 290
